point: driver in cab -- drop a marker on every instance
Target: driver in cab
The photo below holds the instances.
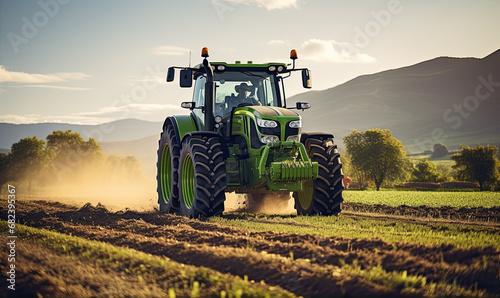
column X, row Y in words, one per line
column 244, row 97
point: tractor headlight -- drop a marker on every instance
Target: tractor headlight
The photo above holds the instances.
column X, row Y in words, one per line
column 295, row 139
column 266, row 123
column 266, row 139
column 295, row 124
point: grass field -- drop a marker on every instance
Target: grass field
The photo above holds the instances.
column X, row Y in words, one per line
column 445, row 161
column 395, row 230
column 428, row 198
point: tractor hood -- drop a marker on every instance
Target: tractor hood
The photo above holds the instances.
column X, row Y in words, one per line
column 273, row 111
column 267, row 112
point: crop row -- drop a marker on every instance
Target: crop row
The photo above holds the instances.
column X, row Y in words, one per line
column 427, row 198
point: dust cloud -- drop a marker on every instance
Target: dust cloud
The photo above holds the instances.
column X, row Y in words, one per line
column 267, row 203
column 117, row 190
column 141, row 196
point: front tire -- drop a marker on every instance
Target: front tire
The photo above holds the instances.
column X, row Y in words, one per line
column 167, row 170
column 322, row 196
column 202, row 175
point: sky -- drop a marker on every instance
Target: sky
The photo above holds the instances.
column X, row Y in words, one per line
column 90, row 62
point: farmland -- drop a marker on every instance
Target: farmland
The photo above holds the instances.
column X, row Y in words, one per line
column 70, row 250
column 429, row 198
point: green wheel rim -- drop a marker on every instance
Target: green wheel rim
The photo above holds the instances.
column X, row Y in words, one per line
column 166, row 173
column 187, row 181
column 306, row 195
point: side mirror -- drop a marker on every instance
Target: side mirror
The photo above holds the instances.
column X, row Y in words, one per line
column 170, row 74
column 186, row 78
column 188, row 105
column 303, row 105
column 306, row 78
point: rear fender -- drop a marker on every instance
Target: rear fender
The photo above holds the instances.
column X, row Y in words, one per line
column 182, row 124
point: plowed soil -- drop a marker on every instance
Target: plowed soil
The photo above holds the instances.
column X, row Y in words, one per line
column 454, row 213
column 258, row 255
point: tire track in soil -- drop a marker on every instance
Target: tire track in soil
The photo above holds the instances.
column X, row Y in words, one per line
column 482, row 214
column 255, row 254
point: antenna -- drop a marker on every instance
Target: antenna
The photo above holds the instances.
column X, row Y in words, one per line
column 189, row 59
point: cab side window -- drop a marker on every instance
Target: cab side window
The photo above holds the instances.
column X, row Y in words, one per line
column 199, row 98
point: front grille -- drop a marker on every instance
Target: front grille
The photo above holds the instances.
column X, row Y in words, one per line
column 291, row 131
column 276, row 131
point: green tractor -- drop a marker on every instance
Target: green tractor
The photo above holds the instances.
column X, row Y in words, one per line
column 242, row 137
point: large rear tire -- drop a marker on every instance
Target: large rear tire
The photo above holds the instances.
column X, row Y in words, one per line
column 322, row 196
column 202, row 173
column 167, row 170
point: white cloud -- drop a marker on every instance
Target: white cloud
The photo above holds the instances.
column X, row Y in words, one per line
column 35, row 78
column 35, row 118
column 169, row 51
column 332, row 51
column 146, row 112
column 267, row 4
column 155, row 112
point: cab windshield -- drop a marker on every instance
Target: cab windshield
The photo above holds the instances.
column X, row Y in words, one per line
column 237, row 88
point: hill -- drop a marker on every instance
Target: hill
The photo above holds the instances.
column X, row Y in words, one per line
column 436, row 101
column 116, row 131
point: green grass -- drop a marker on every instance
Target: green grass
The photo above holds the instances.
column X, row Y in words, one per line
column 428, row 198
column 182, row 280
column 445, row 160
column 392, row 231
column 407, row 284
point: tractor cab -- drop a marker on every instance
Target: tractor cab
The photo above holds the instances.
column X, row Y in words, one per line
column 237, row 85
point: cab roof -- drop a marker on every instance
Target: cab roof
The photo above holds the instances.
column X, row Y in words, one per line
column 273, row 67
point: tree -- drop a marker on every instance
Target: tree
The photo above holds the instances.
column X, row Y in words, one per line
column 28, row 159
column 69, row 141
column 479, row 164
column 72, row 151
column 439, row 150
column 350, row 171
column 4, row 166
column 446, row 173
column 378, row 154
column 123, row 168
column 425, row 171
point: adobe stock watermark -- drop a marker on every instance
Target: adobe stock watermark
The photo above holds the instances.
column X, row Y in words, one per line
column 137, row 94
column 462, row 110
column 31, row 26
column 11, row 237
column 222, row 7
column 381, row 19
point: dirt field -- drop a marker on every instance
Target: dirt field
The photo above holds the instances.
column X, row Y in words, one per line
column 289, row 264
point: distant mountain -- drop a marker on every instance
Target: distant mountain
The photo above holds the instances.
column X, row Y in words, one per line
column 430, row 102
column 116, row 131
